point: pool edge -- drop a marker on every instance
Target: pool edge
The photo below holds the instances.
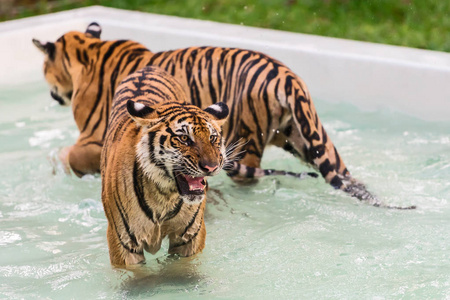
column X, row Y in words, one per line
column 368, row 75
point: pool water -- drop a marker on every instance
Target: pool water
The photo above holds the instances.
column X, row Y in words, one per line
column 281, row 238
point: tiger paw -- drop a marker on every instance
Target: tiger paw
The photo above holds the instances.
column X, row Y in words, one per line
column 59, row 161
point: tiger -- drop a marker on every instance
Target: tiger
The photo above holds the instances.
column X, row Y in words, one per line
column 76, row 71
column 158, row 152
column 269, row 104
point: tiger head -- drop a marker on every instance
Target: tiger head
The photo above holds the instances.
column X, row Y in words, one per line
column 180, row 145
column 57, row 61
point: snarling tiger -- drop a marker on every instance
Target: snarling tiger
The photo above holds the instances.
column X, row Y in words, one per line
column 269, row 104
column 157, row 153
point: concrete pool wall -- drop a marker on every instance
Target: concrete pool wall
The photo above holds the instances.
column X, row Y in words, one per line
column 371, row 76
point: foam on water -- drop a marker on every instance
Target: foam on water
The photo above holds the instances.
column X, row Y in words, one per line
column 279, row 238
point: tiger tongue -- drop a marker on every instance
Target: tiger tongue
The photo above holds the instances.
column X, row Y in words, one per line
column 195, row 183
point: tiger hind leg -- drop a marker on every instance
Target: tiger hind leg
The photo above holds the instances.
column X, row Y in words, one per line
column 317, row 150
column 325, row 158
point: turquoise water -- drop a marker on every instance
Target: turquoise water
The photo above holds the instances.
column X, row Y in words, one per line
column 281, row 238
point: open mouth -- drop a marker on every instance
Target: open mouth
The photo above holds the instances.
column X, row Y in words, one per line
column 188, row 185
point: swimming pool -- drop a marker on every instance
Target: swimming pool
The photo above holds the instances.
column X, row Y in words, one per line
column 279, row 238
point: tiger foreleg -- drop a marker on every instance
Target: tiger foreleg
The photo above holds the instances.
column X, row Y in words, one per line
column 59, row 160
column 119, row 253
column 190, row 243
column 83, row 159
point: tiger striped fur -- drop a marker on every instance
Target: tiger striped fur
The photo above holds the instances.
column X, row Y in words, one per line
column 269, row 104
column 157, row 153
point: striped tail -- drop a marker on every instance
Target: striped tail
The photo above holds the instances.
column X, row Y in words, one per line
column 240, row 170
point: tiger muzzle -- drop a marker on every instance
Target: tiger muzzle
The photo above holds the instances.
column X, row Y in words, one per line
column 58, row 98
column 208, row 168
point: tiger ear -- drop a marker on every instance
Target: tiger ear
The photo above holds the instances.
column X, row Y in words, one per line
column 47, row 48
column 94, row 30
column 219, row 111
column 141, row 113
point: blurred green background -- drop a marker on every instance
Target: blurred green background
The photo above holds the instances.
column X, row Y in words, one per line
column 421, row 24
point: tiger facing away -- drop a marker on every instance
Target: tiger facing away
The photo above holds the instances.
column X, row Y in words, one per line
column 269, row 104
column 157, row 153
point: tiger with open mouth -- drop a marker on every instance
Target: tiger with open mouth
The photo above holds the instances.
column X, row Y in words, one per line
column 158, row 152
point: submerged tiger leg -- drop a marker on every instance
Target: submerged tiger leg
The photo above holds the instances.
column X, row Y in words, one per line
column 119, row 253
column 84, row 159
column 190, row 247
column 191, row 240
column 60, row 160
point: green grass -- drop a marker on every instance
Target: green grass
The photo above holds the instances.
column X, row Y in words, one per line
column 421, row 24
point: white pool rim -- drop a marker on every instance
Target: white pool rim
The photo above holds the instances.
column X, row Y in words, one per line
column 371, row 76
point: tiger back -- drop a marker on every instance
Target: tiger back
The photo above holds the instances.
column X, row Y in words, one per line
column 158, row 153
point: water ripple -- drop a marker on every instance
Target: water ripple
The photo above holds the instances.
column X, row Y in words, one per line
column 7, row 237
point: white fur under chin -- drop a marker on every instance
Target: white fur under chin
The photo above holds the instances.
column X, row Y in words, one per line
column 150, row 169
column 193, row 199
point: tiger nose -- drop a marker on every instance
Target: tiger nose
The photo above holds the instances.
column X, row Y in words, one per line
column 207, row 168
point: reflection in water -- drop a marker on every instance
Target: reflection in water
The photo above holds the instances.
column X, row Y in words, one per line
column 166, row 274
